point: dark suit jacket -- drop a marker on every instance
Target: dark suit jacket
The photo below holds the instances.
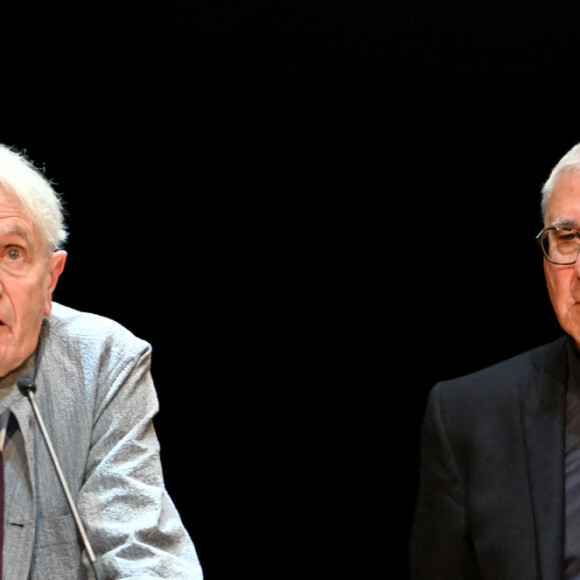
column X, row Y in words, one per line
column 491, row 499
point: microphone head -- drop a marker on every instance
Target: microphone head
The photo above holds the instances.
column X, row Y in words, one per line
column 26, row 384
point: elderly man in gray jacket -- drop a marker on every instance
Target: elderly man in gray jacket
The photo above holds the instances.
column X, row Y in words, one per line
column 95, row 393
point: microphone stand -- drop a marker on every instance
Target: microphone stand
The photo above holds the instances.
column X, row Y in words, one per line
column 27, row 387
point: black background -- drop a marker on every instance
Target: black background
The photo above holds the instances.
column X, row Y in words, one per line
column 313, row 210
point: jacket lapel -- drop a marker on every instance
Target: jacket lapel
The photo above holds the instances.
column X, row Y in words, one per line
column 543, row 405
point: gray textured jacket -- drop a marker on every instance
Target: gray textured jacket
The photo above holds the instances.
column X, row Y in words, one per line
column 95, row 392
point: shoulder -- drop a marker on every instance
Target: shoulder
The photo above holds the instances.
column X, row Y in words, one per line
column 76, row 329
column 483, row 409
column 510, row 372
column 502, row 382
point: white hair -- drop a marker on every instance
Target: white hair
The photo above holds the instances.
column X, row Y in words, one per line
column 569, row 163
column 21, row 179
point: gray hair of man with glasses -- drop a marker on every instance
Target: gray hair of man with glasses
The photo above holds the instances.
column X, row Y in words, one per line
column 569, row 162
column 20, row 179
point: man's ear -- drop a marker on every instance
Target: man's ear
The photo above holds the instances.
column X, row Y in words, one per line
column 57, row 261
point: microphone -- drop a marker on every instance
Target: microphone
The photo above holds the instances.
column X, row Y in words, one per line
column 27, row 388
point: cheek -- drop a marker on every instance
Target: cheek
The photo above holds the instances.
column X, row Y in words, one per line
column 32, row 299
column 558, row 282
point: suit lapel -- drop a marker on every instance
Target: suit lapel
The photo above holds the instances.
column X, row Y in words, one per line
column 543, row 405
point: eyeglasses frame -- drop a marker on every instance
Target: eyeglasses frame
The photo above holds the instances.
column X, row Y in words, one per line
column 539, row 239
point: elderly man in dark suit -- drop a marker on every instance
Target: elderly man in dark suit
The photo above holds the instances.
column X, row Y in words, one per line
column 499, row 493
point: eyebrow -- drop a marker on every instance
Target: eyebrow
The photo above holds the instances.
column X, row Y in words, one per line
column 16, row 230
column 565, row 223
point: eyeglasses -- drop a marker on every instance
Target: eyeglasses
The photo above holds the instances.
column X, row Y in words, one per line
column 560, row 245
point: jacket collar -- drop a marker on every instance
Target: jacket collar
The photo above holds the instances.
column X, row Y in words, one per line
column 543, row 408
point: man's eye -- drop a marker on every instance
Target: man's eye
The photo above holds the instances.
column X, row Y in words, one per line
column 567, row 236
column 13, row 253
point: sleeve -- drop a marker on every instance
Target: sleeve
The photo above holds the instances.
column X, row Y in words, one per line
column 134, row 528
column 441, row 546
